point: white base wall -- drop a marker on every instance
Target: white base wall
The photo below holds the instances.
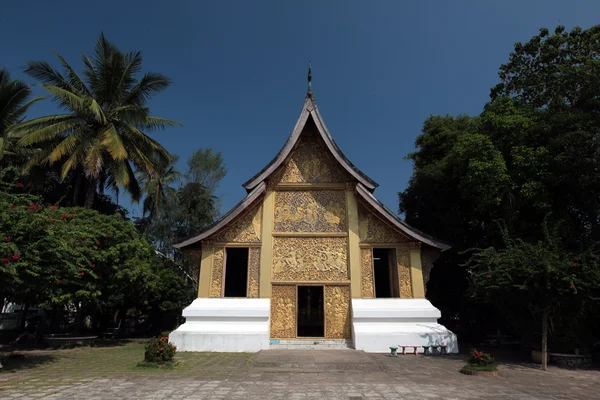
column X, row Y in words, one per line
column 378, row 324
column 224, row 325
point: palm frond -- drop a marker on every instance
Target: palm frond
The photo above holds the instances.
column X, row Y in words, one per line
column 47, row 133
column 150, row 84
column 43, row 72
column 43, row 122
column 20, row 112
column 111, row 140
column 157, row 123
column 74, row 80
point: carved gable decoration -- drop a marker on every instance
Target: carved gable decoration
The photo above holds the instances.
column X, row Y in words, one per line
column 373, row 230
column 310, row 211
column 246, row 229
column 310, row 162
column 310, row 259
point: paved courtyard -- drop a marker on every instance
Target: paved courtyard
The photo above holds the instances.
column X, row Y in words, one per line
column 111, row 373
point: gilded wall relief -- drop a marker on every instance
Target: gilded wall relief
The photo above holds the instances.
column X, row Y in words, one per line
column 428, row 257
column 337, row 312
column 366, row 273
column 253, row 271
column 216, row 282
column 310, row 162
column 373, row 230
column 310, row 211
column 283, row 312
column 403, row 257
column 310, row 258
column 246, row 229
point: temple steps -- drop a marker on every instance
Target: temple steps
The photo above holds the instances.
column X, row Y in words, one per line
column 307, row 344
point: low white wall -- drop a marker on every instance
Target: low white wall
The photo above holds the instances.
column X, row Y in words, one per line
column 378, row 324
column 225, row 325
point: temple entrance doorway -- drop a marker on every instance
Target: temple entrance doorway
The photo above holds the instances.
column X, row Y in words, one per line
column 311, row 313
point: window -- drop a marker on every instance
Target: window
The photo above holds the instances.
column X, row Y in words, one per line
column 385, row 273
column 236, row 272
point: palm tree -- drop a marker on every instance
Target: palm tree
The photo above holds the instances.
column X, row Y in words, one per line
column 101, row 135
column 13, row 106
column 158, row 190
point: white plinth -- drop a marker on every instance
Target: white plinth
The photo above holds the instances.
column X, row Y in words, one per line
column 224, row 324
column 380, row 323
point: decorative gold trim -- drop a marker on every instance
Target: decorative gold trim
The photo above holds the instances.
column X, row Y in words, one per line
column 266, row 250
column 354, row 260
column 237, row 244
column 310, row 234
column 313, row 283
column 309, row 186
column 416, row 274
column 383, row 245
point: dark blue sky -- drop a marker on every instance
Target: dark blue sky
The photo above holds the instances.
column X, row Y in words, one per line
column 239, row 67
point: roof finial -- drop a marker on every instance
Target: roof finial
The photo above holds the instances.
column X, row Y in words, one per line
column 309, row 92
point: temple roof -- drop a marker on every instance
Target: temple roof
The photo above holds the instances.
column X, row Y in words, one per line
column 310, row 110
column 257, row 185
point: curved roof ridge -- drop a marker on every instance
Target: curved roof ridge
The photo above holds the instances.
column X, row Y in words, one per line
column 310, row 109
column 238, row 209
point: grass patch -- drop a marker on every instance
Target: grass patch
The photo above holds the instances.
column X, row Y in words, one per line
column 481, row 368
column 156, row 365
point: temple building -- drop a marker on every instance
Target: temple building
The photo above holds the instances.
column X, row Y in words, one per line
column 310, row 258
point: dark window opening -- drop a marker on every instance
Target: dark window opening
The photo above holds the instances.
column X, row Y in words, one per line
column 311, row 314
column 385, row 273
column 236, row 272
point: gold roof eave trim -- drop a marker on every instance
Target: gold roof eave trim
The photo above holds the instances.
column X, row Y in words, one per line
column 227, row 218
column 396, row 222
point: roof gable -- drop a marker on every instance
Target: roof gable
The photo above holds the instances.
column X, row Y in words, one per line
column 310, row 114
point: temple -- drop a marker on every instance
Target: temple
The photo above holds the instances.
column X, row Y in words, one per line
column 310, row 258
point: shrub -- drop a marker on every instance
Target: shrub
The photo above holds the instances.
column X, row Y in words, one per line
column 159, row 350
column 480, row 358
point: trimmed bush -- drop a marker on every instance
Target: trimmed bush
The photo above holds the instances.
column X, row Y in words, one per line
column 159, row 350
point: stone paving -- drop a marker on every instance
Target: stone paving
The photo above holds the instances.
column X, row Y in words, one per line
column 111, row 373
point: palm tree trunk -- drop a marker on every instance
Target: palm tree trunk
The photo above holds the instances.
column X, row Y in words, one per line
column 91, row 194
column 77, row 188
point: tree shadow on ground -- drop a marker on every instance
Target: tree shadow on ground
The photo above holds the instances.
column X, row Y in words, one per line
column 19, row 362
column 42, row 346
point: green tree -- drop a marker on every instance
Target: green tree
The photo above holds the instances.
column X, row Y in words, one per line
column 159, row 193
column 101, row 136
column 71, row 256
column 13, row 106
column 559, row 75
column 206, row 168
column 529, row 158
column 184, row 211
column 536, row 281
